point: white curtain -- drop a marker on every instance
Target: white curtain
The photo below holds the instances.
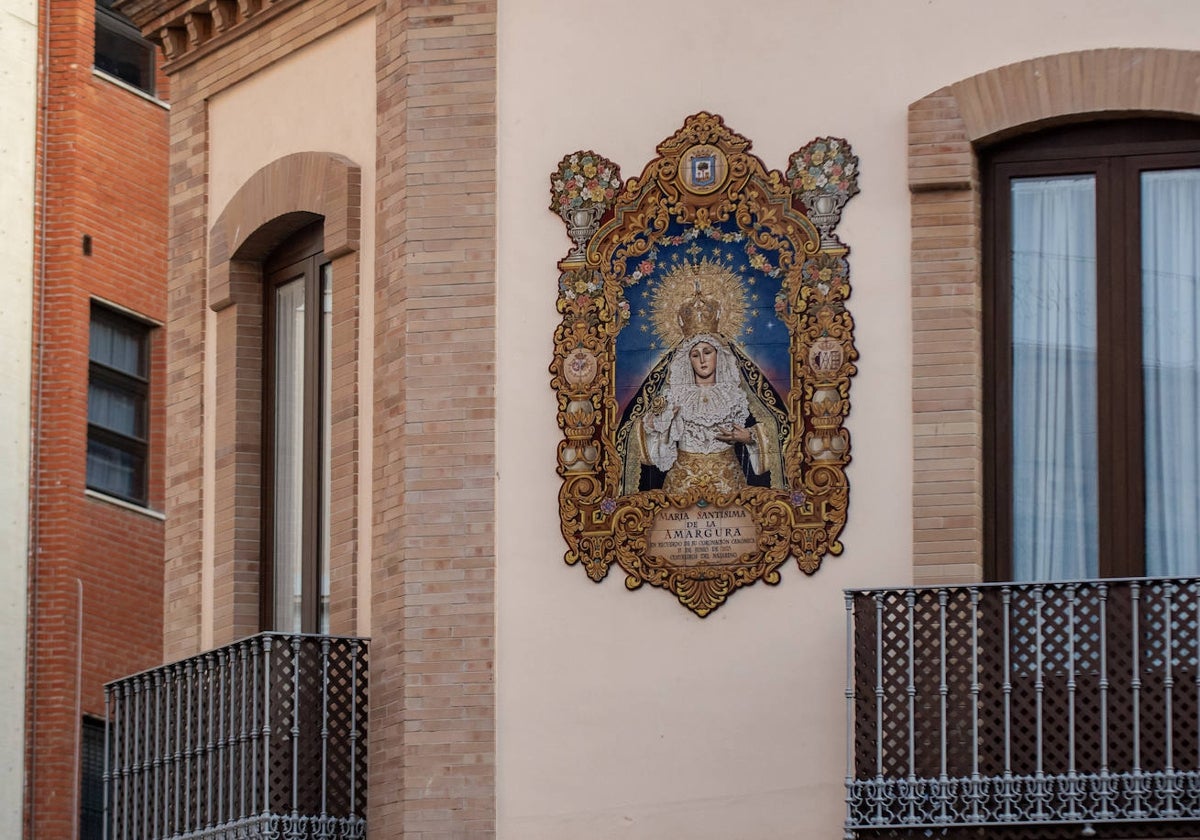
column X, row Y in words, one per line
column 1054, row 443
column 1171, row 369
column 112, row 470
column 121, row 409
column 118, row 348
column 112, row 408
column 289, row 454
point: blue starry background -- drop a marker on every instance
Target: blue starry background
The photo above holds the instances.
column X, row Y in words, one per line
column 764, row 337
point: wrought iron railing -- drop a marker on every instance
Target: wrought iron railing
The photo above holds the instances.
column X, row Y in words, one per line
column 1024, row 705
column 265, row 737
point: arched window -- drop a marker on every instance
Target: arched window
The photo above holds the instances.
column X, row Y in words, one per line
column 1092, row 351
column 297, row 307
column 283, row 284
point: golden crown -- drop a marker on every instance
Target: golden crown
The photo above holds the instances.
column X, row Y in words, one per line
column 699, row 314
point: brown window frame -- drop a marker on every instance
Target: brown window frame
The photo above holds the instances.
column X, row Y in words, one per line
column 1116, row 152
column 301, row 256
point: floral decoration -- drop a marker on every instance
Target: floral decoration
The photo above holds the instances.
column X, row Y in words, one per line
column 574, row 285
column 649, row 262
column 827, row 166
column 583, row 180
column 757, row 259
column 623, row 310
column 781, row 303
column 826, row 273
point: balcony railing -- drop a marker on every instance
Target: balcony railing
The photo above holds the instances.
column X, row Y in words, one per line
column 1024, row 705
column 265, row 737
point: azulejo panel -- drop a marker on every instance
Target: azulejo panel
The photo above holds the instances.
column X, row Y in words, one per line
column 703, row 362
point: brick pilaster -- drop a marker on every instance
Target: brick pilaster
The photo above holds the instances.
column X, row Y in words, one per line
column 433, row 728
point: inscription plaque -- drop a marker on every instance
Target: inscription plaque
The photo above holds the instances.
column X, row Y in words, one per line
column 704, row 536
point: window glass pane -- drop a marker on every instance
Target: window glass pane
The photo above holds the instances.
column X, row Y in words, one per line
column 326, row 435
column 1054, row 443
column 115, row 471
column 91, row 780
column 118, row 343
column 116, row 409
column 117, row 388
column 122, row 52
column 289, row 454
column 1170, row 369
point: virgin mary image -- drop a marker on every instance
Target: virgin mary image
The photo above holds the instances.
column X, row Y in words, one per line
column 705, row 416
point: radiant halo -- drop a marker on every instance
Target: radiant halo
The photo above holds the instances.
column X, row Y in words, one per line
column 716, row 281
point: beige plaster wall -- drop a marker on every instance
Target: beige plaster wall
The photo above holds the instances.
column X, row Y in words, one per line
column 321, row 98
column 620, row 714
column 18, row 102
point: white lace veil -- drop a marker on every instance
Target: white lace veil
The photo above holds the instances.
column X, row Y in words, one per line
column 682, row 374
column 723, row 402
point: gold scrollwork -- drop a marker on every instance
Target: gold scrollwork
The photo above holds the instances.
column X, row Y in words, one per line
column 692, row 252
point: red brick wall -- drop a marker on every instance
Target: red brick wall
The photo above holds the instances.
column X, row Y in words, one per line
column 103, row 169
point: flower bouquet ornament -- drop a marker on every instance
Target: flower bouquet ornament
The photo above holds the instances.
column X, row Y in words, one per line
column 582, row 189
column 824, row 175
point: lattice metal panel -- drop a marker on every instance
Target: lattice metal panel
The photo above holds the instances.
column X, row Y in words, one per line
column 281, row 760
column 992, row 675
column 346, row 757
column 862, row 688
column 894, row 723
column 1038, row 704
column 925, row 681
column 1117, row 696
column 264, row 735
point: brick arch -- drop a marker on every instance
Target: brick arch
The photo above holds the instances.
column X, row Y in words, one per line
column 275, row 202
column 945, row 130
column 278, row 200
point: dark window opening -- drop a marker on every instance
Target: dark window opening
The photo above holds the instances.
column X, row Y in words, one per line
column 121, row 51
column 91, row 779
column 118, row 405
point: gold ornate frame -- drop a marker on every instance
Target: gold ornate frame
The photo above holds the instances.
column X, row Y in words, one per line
column 705, row 183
